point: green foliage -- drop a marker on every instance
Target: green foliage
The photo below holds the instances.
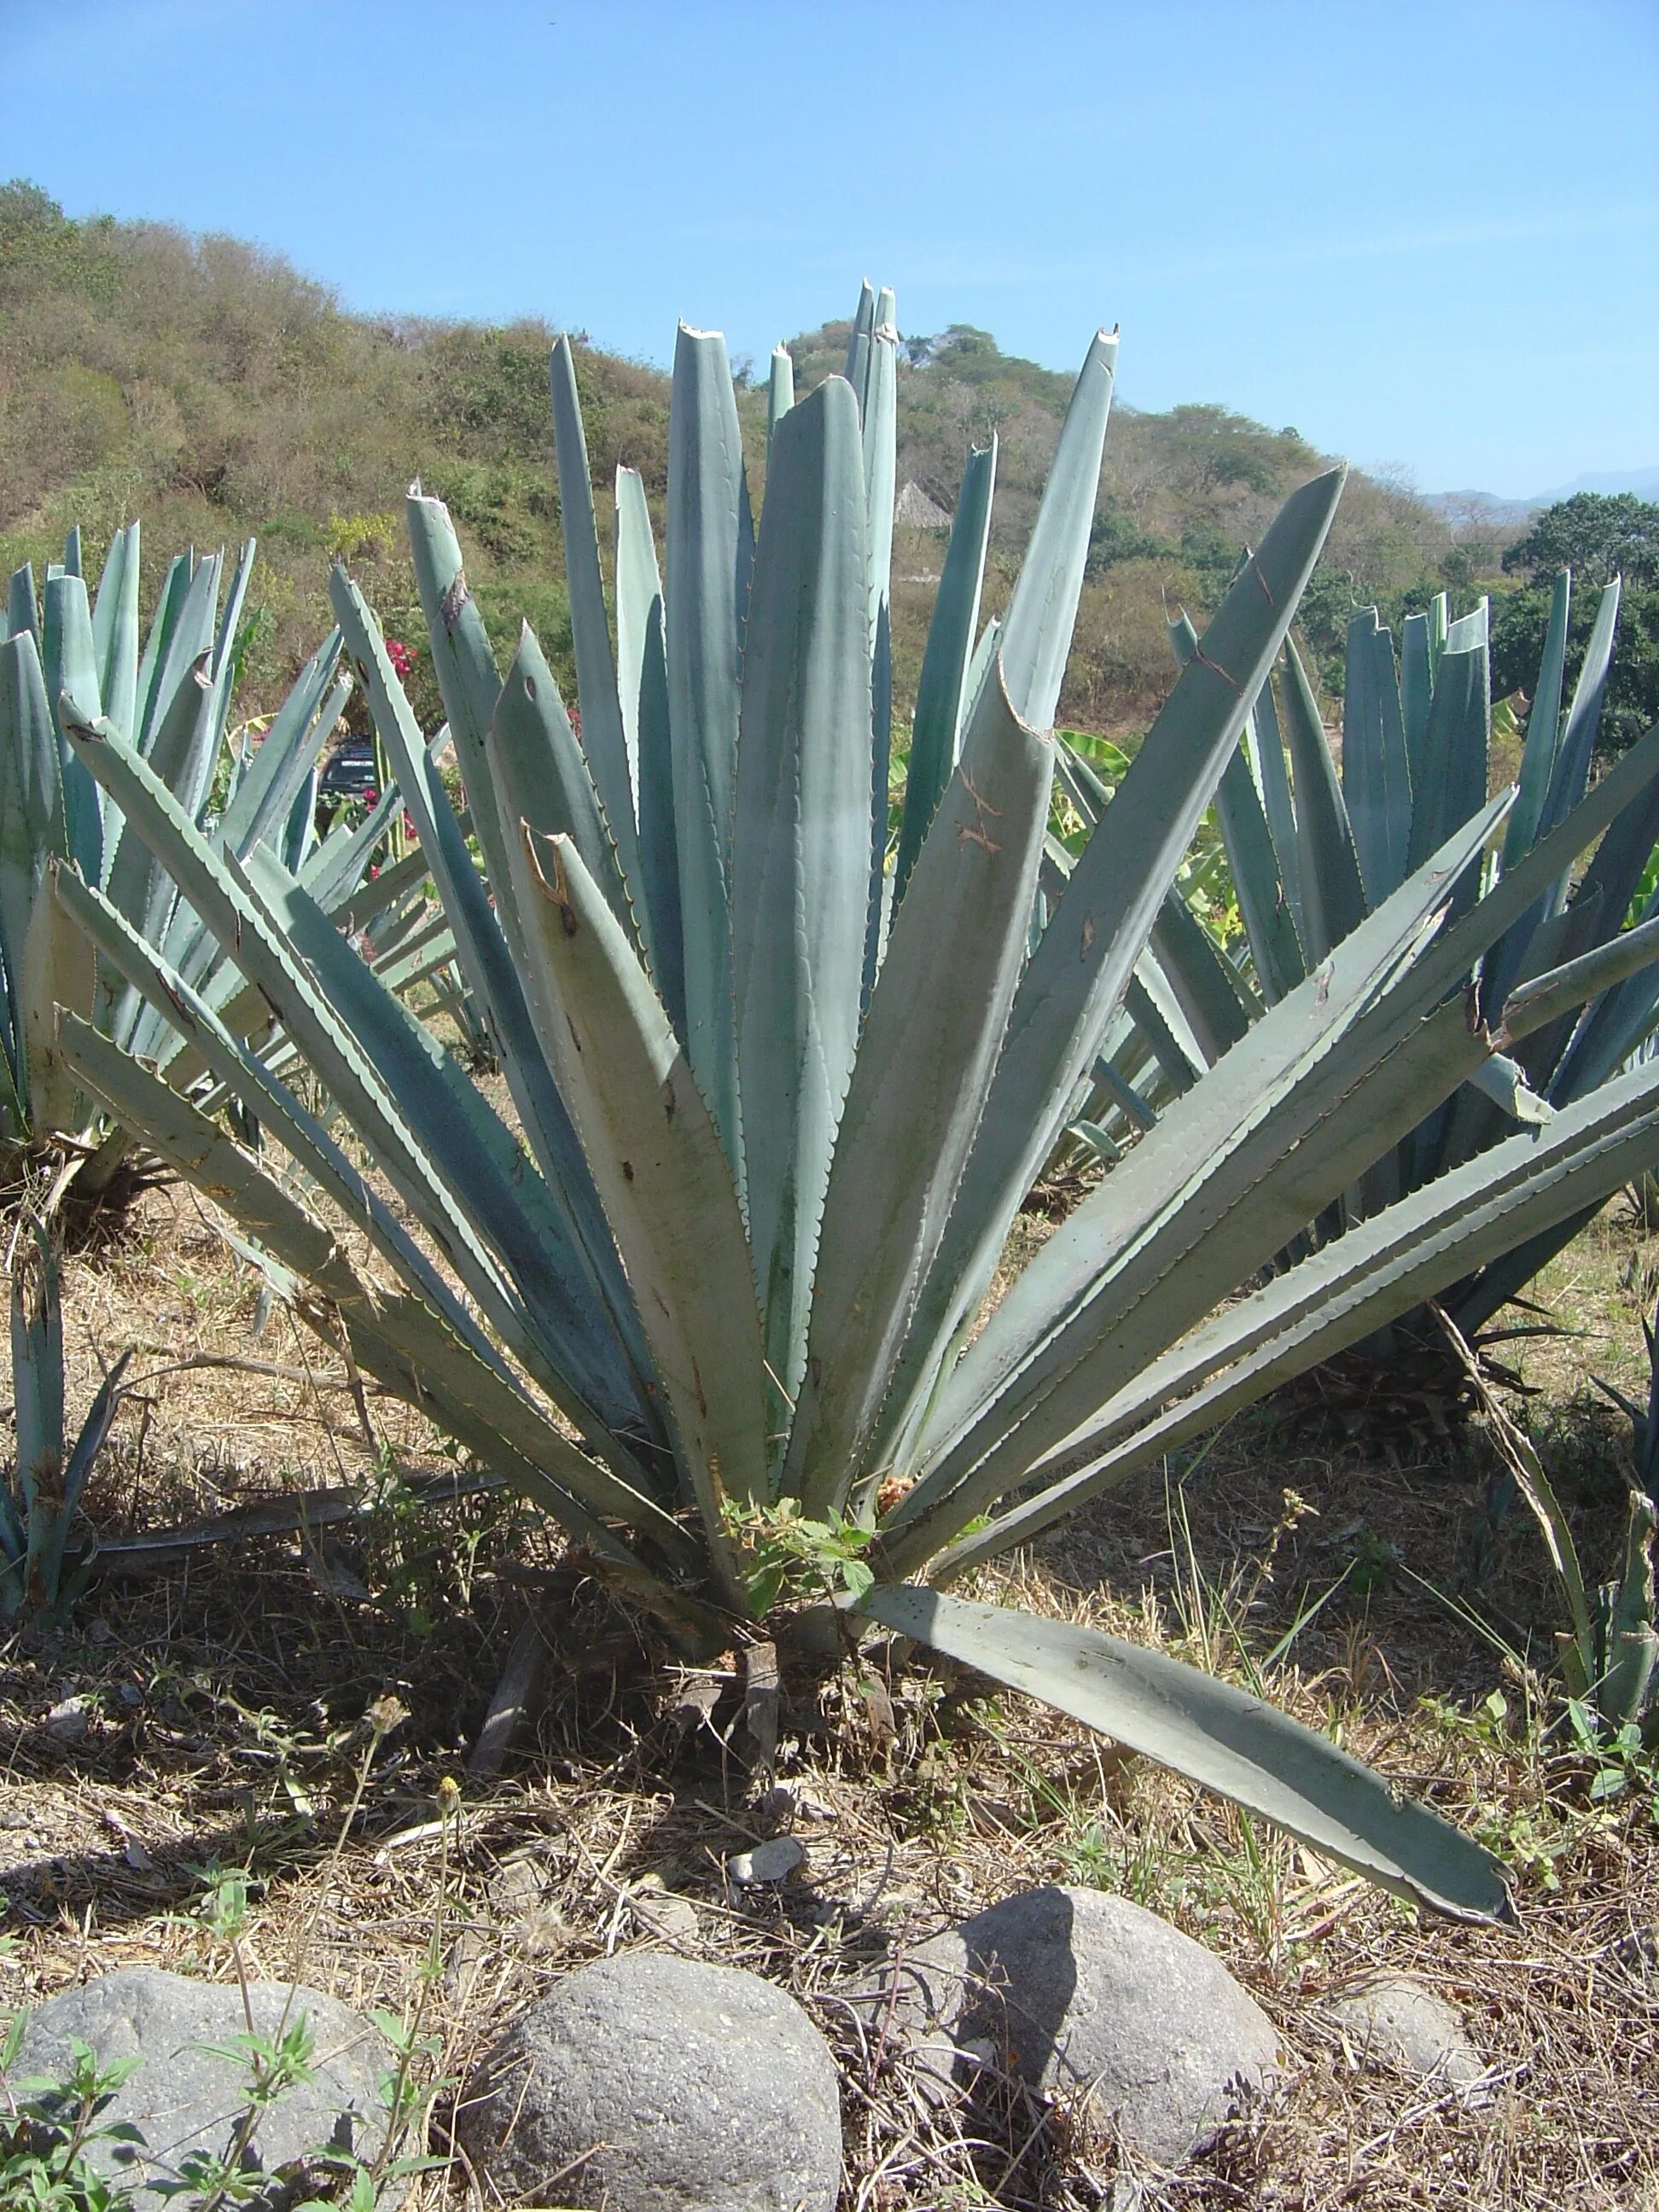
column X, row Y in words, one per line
column 48, row 2129
column 1597, row 535
column 783, row 1555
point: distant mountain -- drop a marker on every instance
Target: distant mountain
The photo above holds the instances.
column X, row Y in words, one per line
column 1644, row 483
column 1487, row 507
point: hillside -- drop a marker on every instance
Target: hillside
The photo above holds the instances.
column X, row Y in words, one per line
column 210, row 388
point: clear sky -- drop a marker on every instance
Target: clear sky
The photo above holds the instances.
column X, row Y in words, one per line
column 1426, row 234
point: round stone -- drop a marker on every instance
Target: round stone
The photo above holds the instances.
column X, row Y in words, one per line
column 652, row 2083
column 1077, row 1992
column 1392, row 2021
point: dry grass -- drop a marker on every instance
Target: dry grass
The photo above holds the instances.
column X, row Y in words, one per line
column 218, row 1709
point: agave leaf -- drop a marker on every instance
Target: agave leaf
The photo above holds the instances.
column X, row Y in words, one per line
column 941, row 692
column 115, row 632
column 667, row 1186
column 31, row 825
column 705, row 495
column 224, row 668
column 1266, row 744
column 858, row 342
column 539, row 774
column 426, row 1174
column 780, row 394
column 1078, row 976
column 22, row 612
column 1375, row 779
column 1474, row 1301
column 799, row 906
column 642, row 679
column 1502, row 1081
column 1594, row 912
column 1416, row 689
column 1455, row 748
column 880, row 483
column 333, row 867
column 924, row 1064
column 407, row 1095
column 1624, row 1013
column 615, row 766
column 189, row 637
column 37, row 1370
column 1543, row 727
column 1205, row 986
column 93, row 1436
column 1613, row 877
column 1151, row 1003
column 372, row 902
column 401, row 976
column 979, row 673
column 1022, row 1323
column 1251, row 857
column 175, row 587
column 216, row 1047
column 1384, row 1267
column 1216, row 1734
column 1577, row 739
column 281, row 762
column 461, row 657
column 58, row 968
column 1333, row 895
column 70, row 663
column 483, row 952
column 1036, row 631
column 1609, row 1034
column 138, row 886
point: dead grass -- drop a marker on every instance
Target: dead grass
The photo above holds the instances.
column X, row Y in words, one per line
column 218, row 1711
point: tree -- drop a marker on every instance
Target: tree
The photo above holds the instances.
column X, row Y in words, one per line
column 1598, row 535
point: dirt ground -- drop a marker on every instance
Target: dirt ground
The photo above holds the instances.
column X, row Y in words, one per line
column 1370, row 1568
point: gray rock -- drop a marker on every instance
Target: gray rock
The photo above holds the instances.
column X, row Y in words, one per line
column 1398, row 2023
column 1074, row 1990
column 182, row 2100
column 772, row 1861
column 651, row 2083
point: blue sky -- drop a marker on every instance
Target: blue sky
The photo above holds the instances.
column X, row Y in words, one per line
column 1426, row 236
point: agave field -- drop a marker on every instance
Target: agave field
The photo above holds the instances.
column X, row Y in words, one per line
column 665, row 1131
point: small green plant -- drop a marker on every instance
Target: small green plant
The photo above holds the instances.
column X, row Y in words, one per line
column 48, row 2130
column 208, row 2181
column 783, row 1553
column 1621, row 1760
